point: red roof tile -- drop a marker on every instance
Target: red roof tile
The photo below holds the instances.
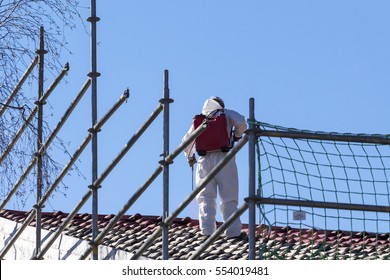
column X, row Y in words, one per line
column 184, row 238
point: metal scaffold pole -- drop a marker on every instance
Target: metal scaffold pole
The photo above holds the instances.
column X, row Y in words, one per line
column 165, row 229
column 93, row 19
column 41, row 52
column 252, row 179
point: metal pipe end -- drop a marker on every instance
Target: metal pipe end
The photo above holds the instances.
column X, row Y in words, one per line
column 126, row 93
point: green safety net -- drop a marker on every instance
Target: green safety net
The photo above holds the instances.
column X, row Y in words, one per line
column 322, row 171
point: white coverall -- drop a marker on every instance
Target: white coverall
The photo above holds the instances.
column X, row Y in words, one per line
column 225, row 182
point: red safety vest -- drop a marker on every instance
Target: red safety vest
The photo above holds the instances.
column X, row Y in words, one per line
column 215, row 137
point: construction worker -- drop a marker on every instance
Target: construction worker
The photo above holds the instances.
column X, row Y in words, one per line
column 226, row 181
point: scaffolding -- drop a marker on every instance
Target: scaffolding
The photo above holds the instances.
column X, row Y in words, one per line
column 252, row 134
column 92, row 137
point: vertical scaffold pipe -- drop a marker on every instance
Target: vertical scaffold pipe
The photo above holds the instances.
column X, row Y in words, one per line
column 166, row 101
column 41, row 52
column 252, row 179
column 93, row 19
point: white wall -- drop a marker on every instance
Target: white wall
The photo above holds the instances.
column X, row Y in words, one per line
column 64, row 248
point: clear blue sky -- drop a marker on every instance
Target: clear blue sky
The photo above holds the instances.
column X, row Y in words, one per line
column 317, row 65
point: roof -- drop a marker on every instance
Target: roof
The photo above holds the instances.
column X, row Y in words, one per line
column 184, row 237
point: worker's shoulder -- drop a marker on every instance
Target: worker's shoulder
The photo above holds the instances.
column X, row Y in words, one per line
column 232, row 113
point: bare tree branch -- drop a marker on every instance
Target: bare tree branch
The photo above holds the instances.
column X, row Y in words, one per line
column 20, row 21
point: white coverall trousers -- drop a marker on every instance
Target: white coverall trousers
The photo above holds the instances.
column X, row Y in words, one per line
column 226, row 183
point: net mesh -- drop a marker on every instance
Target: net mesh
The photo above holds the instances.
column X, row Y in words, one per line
column 336, row 172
